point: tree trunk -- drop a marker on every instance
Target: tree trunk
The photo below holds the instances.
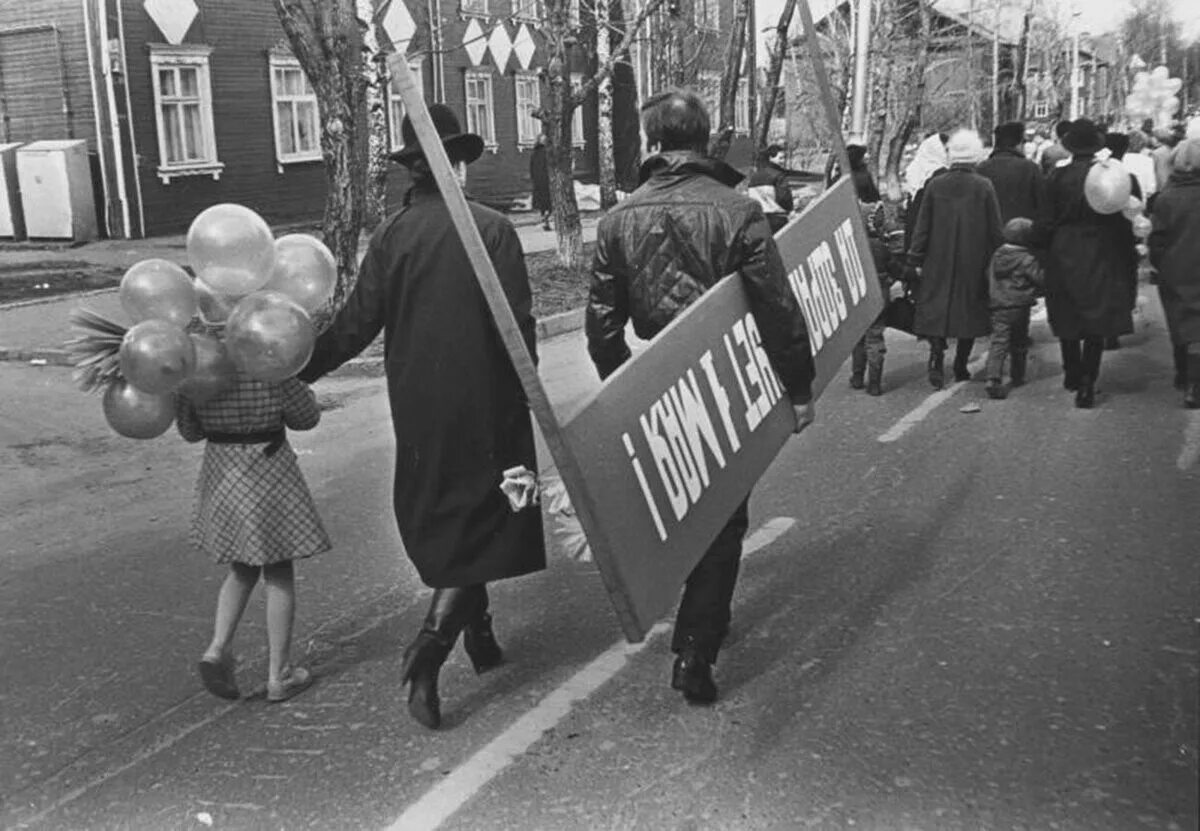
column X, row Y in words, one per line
column 771, row 89
column 730, row 77
column 604, row 122
column 560, row 160
column 325, row 38
column 376, row 77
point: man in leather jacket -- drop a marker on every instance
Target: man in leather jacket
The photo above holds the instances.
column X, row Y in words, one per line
column 657, row 252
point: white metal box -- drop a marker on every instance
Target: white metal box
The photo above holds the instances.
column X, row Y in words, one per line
column 12, row 216
column 56, row 190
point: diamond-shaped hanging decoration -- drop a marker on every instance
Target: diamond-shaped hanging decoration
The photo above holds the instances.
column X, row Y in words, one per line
column 501, row 47
column 474, row 43
column 399, row 25
column 524, row 47
column 172, row 17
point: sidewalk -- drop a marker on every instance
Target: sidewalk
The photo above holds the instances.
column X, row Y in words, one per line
column 34, row 330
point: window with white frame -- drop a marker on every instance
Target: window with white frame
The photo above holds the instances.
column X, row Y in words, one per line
column 1041, row 108
column 708, row 14
column 297, row 124
column 529, row 98
column 577, row 138
column 481, row 118
column 396, row 103
column 187, row 143
column 741, row 110
column 479, row 7
column 527, row 10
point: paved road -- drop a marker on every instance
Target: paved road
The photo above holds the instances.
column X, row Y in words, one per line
column 989, row 620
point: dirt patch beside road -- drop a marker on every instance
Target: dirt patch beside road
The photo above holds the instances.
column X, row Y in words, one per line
column 29, row 281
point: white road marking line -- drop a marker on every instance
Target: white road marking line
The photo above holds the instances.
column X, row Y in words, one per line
column 930, row 404
column 441, row 801
column 1191, row 442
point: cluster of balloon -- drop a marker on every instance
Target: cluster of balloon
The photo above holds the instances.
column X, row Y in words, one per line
column 1107, row 187
column 1154, row 96
column 260, row 290
column 1134, row 213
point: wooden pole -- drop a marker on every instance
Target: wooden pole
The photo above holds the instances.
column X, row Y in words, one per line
column 832, row 115
column 514, row 343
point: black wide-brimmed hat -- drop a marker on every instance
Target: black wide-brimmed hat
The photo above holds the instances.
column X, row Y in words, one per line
column 1083, row 137
column 460, row 146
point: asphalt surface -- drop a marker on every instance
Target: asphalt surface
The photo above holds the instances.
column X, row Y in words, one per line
column 990, row 621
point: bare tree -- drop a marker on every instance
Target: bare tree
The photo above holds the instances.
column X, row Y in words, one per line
column 377, row 79
column 774, row 72
column 900, row 51
column 730, row 80
column 326, row 39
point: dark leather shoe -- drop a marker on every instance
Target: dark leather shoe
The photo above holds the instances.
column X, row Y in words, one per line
column 692, row 675
column 961, row 373
column 937, row 373
column 856, row 381
column 480, row 642
column 1191, row 398
column 1085, row 396
column 422, row 664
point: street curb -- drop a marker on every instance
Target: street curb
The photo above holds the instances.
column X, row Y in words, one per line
column 41, row 301
column 549, row 327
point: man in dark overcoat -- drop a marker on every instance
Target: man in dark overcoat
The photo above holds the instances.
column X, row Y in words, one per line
column 1019, row 184
column 1175, row 251
column 1091, row 266
column 956, row 232
column 458, row 409
column 539, row 180
column 671, row 240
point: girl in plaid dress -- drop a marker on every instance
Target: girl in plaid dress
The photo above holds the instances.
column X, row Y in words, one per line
column 255, row 513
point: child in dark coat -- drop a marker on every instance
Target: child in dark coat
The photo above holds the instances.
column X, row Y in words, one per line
column 1016, row 281
column 867, row 355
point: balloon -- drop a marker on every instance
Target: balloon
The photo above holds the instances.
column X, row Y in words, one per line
column 1107, row 187
column 214, row 372
column 305, row 271
column 136, row 414
column 1141, row 226
column 1169, row 106
column 1140, row 81
column 1159, row 73
column 1193, row 128
column 156, row 356
column 231, row 249
column 158, row 289
column 269, row 336
column 1173, row 85
column 214, row 308
column 1133, row 208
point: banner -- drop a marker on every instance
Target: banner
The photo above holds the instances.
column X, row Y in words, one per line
column 676, row 438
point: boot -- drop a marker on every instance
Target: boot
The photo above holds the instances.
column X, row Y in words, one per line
column 1191, row 398
column 997, row 389
column 875, row 379
column 1017, row 370
column 858, row 364
column 962, row 356
column 1085, row 396
column 937, row 368
column 480, row 641
column 448, row 613
column 1181, row 363
column 1071, row 363
column 692, row 675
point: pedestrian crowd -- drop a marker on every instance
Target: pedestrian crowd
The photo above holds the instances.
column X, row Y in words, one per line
column 977, row 244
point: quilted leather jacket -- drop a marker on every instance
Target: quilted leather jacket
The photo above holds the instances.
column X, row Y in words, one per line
column 674, row 238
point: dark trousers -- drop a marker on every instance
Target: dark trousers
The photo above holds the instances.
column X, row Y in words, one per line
column 702, row 621
column 962, row 350
column 1010, row 335
column 1081, row 363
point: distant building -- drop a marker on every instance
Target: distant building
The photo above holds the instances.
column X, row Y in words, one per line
column 187, row 103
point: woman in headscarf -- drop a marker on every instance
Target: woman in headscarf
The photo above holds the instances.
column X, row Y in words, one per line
column 929, row 161
column 1175, row 252
column 957, row 230
column 1091, row 267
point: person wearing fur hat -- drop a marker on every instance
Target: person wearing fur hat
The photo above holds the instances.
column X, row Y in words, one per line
column 1091, row 266
column 1175, row 251
column 458, row 408
column 1016, row 282
column 956, row 231
column 1019, row 184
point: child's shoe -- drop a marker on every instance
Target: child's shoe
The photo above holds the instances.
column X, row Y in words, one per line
column 875, row 380
column 292, row 681
column 997, row 390
column 217, row 677
column 856, row 380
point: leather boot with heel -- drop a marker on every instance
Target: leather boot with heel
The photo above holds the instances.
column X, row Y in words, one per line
column 480, row 641
column 448, row 614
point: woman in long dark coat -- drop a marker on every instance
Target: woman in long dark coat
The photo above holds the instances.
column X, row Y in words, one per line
column 1091, row 268
column 539, row 179
column 957, row 229
column 458, row 409
column 1175, row 252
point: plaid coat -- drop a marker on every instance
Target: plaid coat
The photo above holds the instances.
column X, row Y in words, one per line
column 251, row 507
